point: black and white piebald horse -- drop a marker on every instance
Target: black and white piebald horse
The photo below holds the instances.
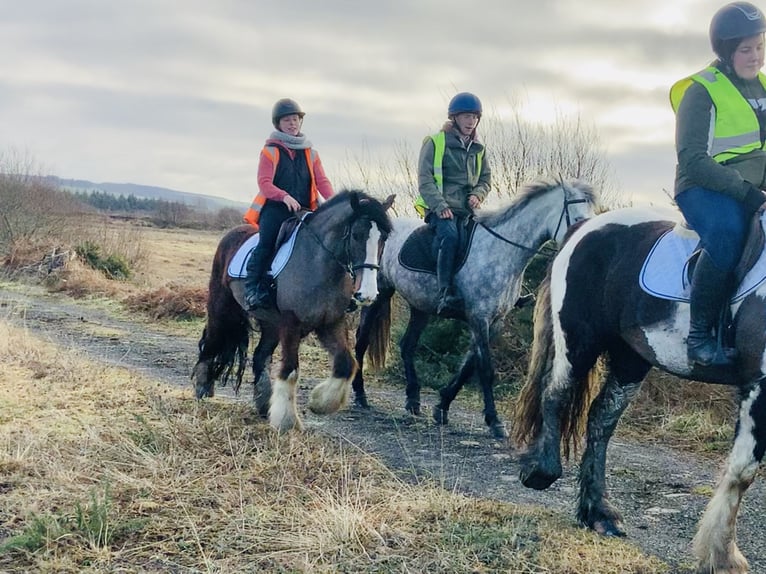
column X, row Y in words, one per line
column 603, row 297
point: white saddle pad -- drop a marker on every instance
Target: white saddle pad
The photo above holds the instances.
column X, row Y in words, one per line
column 664, row 273
column 238, row 264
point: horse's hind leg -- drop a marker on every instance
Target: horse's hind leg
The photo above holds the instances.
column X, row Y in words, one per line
column 448, row 393
column 332, row 394
column 626, row 371
column 715, row 543
column 407, row 346
column 261, row 356
column 283, row 411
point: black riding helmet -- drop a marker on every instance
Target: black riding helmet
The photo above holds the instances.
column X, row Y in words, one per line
column 285, row 107
column 731, row 24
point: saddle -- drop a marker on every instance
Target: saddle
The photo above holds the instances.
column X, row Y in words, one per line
column 237, row 268
column 669, row 266
column 418, row 253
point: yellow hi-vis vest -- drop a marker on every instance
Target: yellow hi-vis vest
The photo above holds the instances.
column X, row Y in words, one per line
column 440, row 143
column 736, row 131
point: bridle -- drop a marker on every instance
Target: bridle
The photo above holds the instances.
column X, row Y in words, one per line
column 348, row 266
column 563, row 216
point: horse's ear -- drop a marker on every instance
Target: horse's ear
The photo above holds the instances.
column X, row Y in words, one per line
column 354, row 199
column 389, row 202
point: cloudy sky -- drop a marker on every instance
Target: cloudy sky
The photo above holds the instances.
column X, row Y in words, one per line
column 178, row 93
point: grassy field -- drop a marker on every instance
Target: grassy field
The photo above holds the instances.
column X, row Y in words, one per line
column 103, row 470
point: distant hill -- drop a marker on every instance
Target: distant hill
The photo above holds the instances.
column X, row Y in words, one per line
column 197, row 201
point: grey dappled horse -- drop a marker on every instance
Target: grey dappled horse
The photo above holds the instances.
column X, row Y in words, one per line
column 490, row 281
column 334, row 258
column 591, row 305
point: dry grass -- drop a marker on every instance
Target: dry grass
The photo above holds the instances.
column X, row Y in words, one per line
column 102, row 470
column 696, row 417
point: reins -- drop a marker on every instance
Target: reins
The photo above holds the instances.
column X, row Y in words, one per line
column 564, row 214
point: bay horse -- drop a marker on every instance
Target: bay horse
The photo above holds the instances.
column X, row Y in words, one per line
column 490, row 279
column 590, row 305
column 334, row 259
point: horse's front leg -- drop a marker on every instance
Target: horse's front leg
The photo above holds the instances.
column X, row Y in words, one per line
column 623, row 381
column 715, row 543
column 283, row 411
column 332, row 394
column 487, row 380
column 369, row 318
column 407, row 346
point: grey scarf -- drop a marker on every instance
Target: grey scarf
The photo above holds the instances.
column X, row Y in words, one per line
column 292, row 142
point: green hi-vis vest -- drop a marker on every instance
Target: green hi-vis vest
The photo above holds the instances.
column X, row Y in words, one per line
column 736, row 131
column 440, row 143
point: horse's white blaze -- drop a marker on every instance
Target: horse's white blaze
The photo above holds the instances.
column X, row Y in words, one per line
column 283, row 412
column 715, row 542
column 330, row 395
column 368, row 288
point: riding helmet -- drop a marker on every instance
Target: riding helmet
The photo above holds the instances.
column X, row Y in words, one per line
column 734, row 21
column 464, row 102
column 285, row 107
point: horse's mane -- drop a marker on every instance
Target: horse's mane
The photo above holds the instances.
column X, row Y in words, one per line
column 369, row 207
column 529, row 191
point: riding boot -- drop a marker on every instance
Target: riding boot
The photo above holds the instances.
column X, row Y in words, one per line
column 710, row 291
column 257, row 285
column 449, row 301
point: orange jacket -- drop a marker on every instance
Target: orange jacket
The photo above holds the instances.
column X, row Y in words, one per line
column 267, row 167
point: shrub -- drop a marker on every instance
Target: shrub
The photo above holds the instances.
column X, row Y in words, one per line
column 113, row 266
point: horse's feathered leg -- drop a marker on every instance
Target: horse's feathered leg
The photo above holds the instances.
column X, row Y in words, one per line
column 626, row 372
column 715, row 542
column 261, row 356
column 407, row 346
column 332, row 394
column 283, row 412
column 448, row 393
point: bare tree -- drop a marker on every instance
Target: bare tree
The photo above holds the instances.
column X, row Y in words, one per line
column 519, row 150
column 31, row 208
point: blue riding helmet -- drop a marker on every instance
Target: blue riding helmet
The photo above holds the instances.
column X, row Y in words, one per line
column 464, row 102
column 734, row 21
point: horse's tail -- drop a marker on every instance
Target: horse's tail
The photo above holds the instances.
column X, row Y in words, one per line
column 576, row 398
column 528, row 418
column 226, row 337
column 380, row 332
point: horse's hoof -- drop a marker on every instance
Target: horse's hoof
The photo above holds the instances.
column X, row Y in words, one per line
column 413, row 408
column 361, row 402
column 497, row 430
column 609, row 528
column 532, row 476
column 204, row 392
column 440, row 415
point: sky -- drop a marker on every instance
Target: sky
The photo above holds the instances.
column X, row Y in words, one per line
column 178, row 93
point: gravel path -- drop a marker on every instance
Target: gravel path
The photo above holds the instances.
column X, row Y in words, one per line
column 654, row 487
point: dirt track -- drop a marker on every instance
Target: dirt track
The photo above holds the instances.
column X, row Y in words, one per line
column 654, row 487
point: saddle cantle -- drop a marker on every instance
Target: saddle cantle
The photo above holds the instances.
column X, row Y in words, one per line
column 418, row 252
column 669, row 266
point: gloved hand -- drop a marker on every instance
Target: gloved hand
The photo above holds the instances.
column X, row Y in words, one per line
column 754, row 198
